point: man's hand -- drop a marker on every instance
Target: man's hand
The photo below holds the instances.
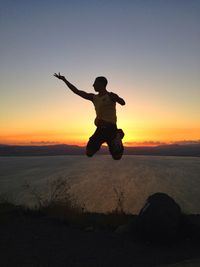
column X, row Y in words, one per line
column 59, row 76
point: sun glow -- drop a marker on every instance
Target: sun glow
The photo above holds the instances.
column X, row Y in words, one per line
column 136, row 137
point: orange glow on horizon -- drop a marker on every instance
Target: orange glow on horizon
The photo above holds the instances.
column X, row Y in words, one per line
column 142, row 137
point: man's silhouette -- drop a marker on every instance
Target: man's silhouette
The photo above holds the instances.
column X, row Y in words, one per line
column 106, row 119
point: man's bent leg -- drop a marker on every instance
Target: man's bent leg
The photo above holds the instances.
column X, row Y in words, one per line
column 115, row 145
column 94, row 143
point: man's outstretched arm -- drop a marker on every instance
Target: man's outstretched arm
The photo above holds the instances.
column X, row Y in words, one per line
column 82, row 94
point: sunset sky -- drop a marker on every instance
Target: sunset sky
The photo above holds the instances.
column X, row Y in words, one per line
column 148, row 50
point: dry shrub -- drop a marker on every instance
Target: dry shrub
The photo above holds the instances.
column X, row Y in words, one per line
column 56, row 200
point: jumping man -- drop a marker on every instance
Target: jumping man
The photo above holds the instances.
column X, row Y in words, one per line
column 106, row 119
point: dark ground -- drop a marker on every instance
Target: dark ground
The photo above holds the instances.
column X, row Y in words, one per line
column 40, row 241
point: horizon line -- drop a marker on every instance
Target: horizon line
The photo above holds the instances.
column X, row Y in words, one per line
column 126, row 144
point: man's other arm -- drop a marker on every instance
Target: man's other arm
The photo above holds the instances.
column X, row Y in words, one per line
column 117, row 99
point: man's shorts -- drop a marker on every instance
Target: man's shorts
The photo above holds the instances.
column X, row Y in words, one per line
column 107, row 134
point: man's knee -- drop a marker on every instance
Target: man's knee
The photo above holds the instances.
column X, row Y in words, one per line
column 116, row 156
column 90, row 152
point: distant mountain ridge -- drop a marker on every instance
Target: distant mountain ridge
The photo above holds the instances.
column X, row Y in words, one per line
column 63, row 149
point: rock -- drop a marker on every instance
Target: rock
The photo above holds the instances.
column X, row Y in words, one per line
column 160, row 218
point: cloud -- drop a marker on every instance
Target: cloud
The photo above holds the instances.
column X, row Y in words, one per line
column 159, row 143
column 43, row 142
column 187, row 142
column 145, row 143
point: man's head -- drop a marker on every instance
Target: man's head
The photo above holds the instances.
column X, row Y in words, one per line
column 100, row 83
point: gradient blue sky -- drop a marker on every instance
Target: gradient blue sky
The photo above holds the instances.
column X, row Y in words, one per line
column 148, row 50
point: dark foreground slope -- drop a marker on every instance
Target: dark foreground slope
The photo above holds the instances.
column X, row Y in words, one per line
column 29, row 240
